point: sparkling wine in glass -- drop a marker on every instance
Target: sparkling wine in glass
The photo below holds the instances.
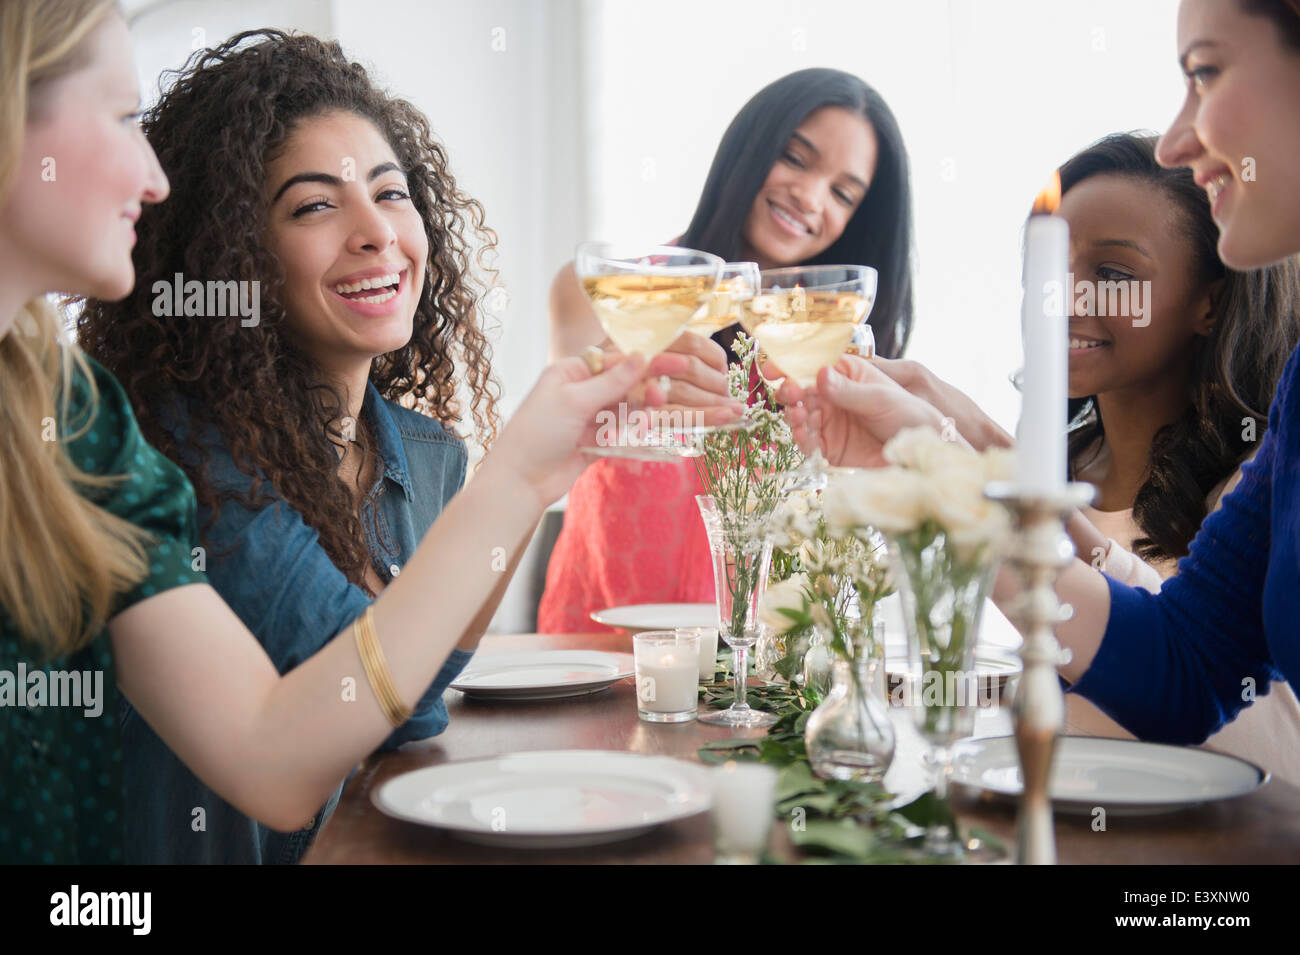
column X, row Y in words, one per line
column 805, row 318
column 738, row 283
column 644, row 296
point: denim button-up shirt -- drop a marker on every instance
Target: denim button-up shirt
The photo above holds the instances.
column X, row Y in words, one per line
column 288, row 592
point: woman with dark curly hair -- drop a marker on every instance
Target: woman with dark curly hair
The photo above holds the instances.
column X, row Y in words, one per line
column 319, row 430
column 1168, row 404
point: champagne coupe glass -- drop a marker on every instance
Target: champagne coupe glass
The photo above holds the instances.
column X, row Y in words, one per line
column 805, row 318
column 739, row 282
column 643, row 297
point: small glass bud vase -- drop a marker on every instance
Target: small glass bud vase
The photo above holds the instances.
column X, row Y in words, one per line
column 849, row 736
column 768, row 652
column 816, row 674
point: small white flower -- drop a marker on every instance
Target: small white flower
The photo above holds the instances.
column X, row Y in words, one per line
column 889, row 499
column 791, row 594
column 923, row 449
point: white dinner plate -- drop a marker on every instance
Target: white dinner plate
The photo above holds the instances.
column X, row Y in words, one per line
column 1121, row 776
column 639, row 617
column 995, row 629
column 548, row 799
column 542, row 674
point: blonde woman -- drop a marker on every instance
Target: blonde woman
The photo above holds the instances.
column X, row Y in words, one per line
column 97, row 585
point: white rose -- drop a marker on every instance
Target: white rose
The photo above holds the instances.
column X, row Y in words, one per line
column 986, row 537
column 999, row 464
column 813, row 554
column 787, row 594
column 891, row 500
column 955, row 496
column 922, row 449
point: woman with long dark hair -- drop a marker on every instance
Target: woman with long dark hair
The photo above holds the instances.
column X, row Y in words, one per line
column 811, row 170
column 1165, row 408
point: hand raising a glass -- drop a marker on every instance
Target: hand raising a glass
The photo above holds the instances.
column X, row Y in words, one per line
column 852, row 411
column 804, row 319
column 644, row 297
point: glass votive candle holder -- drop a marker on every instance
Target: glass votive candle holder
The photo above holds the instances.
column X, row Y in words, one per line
column 667, row 675
column 744, row 802
column 708, row 650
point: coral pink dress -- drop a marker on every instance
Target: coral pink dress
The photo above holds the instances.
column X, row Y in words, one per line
column 632, row 534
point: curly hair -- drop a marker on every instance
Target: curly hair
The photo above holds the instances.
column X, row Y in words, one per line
column 1234, row 371
column 228, row 114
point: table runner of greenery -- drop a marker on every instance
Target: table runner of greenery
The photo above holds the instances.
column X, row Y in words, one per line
column 830, row 821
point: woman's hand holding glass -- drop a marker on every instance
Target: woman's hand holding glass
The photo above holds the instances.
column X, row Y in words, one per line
column 852, row 411
column 562, row 414
column 976, row 427
column 696, row 388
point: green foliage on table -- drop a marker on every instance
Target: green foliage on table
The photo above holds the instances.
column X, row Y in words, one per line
column 841, row 821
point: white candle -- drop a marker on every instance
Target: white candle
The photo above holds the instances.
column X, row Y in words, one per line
column 1040, row 451
column 667, row 674
column 708, row 650
column 744, row 795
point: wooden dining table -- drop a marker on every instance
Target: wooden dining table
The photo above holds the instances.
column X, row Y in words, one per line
column 1262, row 827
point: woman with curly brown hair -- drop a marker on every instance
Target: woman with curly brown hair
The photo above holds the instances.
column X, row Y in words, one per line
column 297, row 179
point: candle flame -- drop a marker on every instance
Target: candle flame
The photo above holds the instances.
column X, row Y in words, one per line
column 1049, row 200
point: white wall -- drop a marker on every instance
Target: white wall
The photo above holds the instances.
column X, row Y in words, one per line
column 166, row 32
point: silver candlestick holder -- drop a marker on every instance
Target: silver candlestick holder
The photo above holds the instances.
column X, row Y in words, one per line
column 1041, row 549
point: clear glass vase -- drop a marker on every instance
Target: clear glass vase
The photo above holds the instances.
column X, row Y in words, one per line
column 943, row 586
column 816, row 674
column 742, row 552
column 849, row 736
column 770, row 650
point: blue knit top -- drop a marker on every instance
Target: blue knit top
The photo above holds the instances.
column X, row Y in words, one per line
column 1175, row 666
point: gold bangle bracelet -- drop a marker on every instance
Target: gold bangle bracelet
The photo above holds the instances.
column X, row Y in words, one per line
column 397, row 711
column 381, row 681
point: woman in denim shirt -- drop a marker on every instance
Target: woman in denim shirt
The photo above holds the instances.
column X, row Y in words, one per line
column 330, row 206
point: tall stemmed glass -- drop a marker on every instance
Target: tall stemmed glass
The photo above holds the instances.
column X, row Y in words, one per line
column 805, row 318
column 644, row 296
column 742, row 552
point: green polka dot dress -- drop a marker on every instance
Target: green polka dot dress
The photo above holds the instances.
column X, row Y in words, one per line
column 61, row 765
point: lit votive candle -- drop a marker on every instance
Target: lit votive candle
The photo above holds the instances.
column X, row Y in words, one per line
column 667, row 675
column 708, row 650
column 744, row 799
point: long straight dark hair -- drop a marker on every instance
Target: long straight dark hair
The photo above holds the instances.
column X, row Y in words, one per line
column 1235, row 369
column 880, row 232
